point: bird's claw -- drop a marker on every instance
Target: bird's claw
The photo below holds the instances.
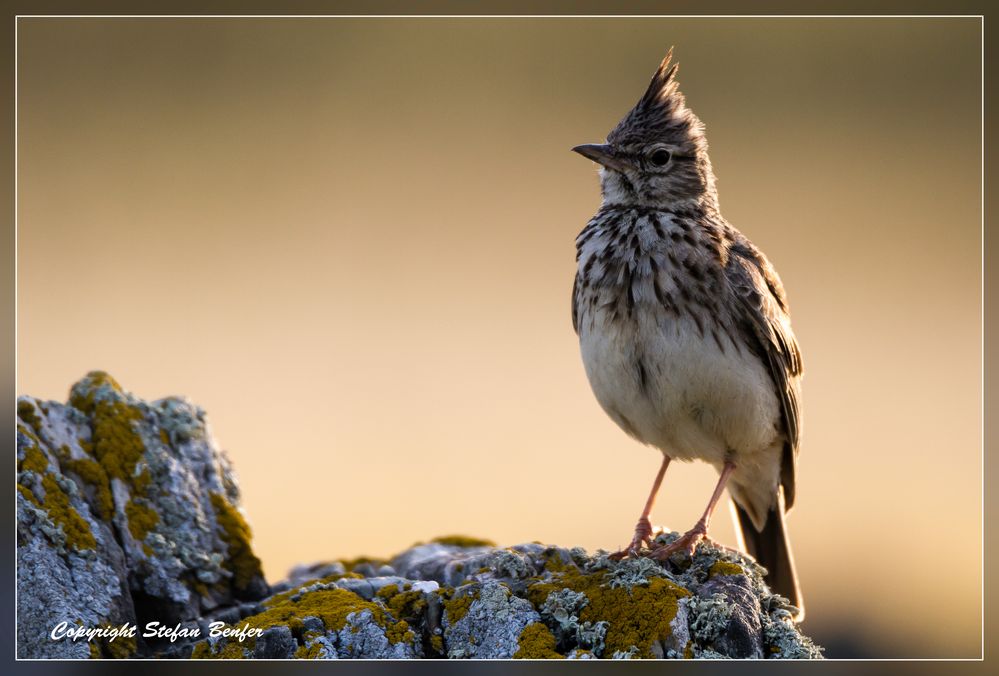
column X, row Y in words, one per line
column 686, row 543
column 643, row 537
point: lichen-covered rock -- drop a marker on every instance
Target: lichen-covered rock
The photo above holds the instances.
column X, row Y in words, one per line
column 467, row 599
column 486, row 621
column 127, row 512
column 69, row 566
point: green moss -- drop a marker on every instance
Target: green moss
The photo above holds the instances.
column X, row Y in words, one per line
column 141, row 519
column 95, row 651
column 725, row 568
column 463, row 541
column 241, row 561
column 536, row 642
column 91, row 473
column 638, row 616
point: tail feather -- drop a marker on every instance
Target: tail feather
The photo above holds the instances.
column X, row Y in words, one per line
column 771, row 549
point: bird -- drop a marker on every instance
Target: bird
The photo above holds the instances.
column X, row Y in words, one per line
column 685, row 332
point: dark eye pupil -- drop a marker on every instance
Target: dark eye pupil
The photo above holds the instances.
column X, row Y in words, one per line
column 660, row 157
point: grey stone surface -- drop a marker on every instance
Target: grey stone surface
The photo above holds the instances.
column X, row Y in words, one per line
column 127, row 511
column 275, row 643
column 491, row 627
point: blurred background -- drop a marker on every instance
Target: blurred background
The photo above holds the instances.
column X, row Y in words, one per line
column 351, row 242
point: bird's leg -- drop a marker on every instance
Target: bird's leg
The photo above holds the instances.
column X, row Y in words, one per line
column 643, row 529
column 689, row 540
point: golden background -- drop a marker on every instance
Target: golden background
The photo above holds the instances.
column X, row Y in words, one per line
column 351, row 242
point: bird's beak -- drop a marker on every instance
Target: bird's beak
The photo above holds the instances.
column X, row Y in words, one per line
column 602, row 154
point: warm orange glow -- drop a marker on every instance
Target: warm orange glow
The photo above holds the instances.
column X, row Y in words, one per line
column 351, row 242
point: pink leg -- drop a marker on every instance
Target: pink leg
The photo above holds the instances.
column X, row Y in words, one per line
column 688, row 541
column 643, row 529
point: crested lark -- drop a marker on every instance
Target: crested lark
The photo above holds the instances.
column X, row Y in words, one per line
column 684, row 328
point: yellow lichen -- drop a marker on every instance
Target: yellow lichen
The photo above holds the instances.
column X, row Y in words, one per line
column 57, row 504
column 93, row 475
column 26, row 412
column 332, row 606
column 34, row 461
column 725, row 568
column 118, row 449
column 457, row 608
column 350, row 564
column 639, row 616
column 120, row 648
column 85, row 402
column 536, row 642
column 28, row 495
column 141, row 519
column 116, row 444
column 202, row 651
column 403, row 605
column 311, row 652
column 437, row 643
column 284, row 596
column 463, row 541
column 388, row 591
column 399, row 631
column 241, row 561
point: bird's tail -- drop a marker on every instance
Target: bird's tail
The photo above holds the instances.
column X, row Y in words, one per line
column 771, row 549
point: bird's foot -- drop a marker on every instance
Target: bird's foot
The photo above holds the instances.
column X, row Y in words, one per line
column 643, row 536
column 685, row 543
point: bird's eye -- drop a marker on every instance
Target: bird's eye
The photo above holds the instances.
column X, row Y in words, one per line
column 660, row 157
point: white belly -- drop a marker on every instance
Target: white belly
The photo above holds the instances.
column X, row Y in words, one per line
column 697, row 401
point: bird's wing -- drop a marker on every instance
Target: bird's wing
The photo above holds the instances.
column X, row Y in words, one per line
column 762, row 307
column 575, row 304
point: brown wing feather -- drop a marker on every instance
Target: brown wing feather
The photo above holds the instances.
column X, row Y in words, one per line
column 764, row 311
column 575, row 304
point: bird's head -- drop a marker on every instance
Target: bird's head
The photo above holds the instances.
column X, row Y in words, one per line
column 657, row 155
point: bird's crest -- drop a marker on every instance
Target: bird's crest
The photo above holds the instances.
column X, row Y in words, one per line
column 661, row 113
column 663, row 86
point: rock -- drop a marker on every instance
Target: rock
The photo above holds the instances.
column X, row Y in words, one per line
column 127, row 512
column 486, row 621
column 532, row 601
column 275, row 644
